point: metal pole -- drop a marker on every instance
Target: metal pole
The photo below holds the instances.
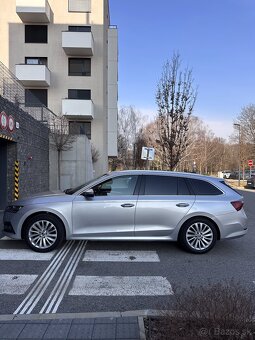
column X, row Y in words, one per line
column 239, row 151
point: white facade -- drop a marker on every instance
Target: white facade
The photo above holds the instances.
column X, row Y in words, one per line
column 78, row 36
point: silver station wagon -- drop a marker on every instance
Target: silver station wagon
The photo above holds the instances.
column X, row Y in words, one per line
column 192, row 209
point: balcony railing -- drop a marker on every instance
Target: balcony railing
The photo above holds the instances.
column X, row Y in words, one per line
column 33, row 10
column 33, row 75
column 82, row 109
column 78, row 43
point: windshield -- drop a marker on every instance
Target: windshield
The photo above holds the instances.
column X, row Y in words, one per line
column 71, row 191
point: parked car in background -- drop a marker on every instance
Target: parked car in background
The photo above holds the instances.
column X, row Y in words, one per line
column 247, row 174
column 192, row 209
column 251, row 182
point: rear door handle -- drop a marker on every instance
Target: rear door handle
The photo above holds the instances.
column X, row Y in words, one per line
column 182, row 205
column 127, row 205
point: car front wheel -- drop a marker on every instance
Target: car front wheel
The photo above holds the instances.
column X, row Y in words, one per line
column 198, row 236
column 43, row 233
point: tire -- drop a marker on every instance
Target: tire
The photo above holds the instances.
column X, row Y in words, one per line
column 198, row 235
column 44, row 233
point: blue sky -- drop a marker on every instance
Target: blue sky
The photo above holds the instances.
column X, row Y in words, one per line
column 216, row 38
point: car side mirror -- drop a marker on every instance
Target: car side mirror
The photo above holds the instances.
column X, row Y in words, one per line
column 88, row 193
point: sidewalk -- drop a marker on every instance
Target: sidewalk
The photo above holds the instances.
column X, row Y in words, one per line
column 72, row 326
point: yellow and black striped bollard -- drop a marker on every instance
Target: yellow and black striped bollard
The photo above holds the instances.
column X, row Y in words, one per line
column 16, row 185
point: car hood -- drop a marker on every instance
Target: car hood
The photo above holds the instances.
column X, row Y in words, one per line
column 52, row 198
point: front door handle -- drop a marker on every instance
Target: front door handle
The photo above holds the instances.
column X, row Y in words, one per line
column 182, row 205
column 127, row 205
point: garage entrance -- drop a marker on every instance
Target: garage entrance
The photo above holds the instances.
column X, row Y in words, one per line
column 3, row 174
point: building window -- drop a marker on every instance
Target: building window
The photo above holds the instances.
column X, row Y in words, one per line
column 80, row 128
column 35, row 97
column 82, row 6
column 79, row 94
column 36, row 61
column 79, row 28
column 79, row 67
column 36, row 34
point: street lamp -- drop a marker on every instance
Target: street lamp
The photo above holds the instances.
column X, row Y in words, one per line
column 238, row 126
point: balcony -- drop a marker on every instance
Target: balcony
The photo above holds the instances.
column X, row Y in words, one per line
column 33, row 11
column 78, row 43
column 33, row 75
column 82, row 109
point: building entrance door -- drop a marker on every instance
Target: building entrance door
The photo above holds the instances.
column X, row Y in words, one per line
column 3, row 174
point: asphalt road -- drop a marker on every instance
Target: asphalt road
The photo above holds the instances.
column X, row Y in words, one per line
column 117, row 276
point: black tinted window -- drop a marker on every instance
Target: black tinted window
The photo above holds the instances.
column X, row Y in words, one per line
column 36, row 34
column 79, row 28
column 201, row 187
column 182, row 187
column 79, row 66
column 160, row 185
column 79, row 94
column 36, row 97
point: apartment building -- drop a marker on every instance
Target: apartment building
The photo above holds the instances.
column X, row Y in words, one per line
column 65, row 53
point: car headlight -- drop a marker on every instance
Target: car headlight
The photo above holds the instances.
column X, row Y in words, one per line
column 13, row 208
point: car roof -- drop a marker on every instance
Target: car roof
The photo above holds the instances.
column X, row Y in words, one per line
column 165, row 173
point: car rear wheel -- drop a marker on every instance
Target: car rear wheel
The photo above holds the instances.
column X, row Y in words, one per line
column 43, row 233
column 198, row 235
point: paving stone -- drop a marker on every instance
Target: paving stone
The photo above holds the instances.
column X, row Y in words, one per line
column 80, row 332
column 104, row 331
column 85, row 321
column 57, row 331
column 33, row 331
column 62, row 321
column 128, row 319
column 105, row 320
column 11, row 330
column 127, row 331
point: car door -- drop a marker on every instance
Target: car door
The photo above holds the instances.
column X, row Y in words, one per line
column 110, row 212
column 163, row 202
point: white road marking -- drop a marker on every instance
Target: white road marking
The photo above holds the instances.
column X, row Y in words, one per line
column 24, row 255
column 15, row 284
column 6, row 238
column 56, row 296
column 121, row 286
column 41, row 285
column 120, row 256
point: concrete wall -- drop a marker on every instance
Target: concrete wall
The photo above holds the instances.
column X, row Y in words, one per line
column 75, row 165
column 28, row 144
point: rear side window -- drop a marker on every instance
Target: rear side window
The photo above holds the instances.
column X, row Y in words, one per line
column 160, row 185
column 204, row 188
column 223, row 182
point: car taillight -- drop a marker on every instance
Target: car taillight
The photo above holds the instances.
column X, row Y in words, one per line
column 237, row 205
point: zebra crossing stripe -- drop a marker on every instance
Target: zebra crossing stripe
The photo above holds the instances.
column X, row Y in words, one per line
column 121, row 286
column 120, row 256
column 15, row 284
column 41, row 285
column 58, row 292
column 24, row 255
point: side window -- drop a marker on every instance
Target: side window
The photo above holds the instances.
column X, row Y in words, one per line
column 36, row 34
column 201, row 187
column 123, row 185
column 160, row 185
column 183, row 187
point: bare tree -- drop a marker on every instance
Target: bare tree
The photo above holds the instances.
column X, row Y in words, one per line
column 175, row 98
column 246, row 119
column 61, row 138
column 130, row 122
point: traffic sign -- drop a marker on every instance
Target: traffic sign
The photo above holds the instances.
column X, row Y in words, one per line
column 148, row 153
column 250, row 162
